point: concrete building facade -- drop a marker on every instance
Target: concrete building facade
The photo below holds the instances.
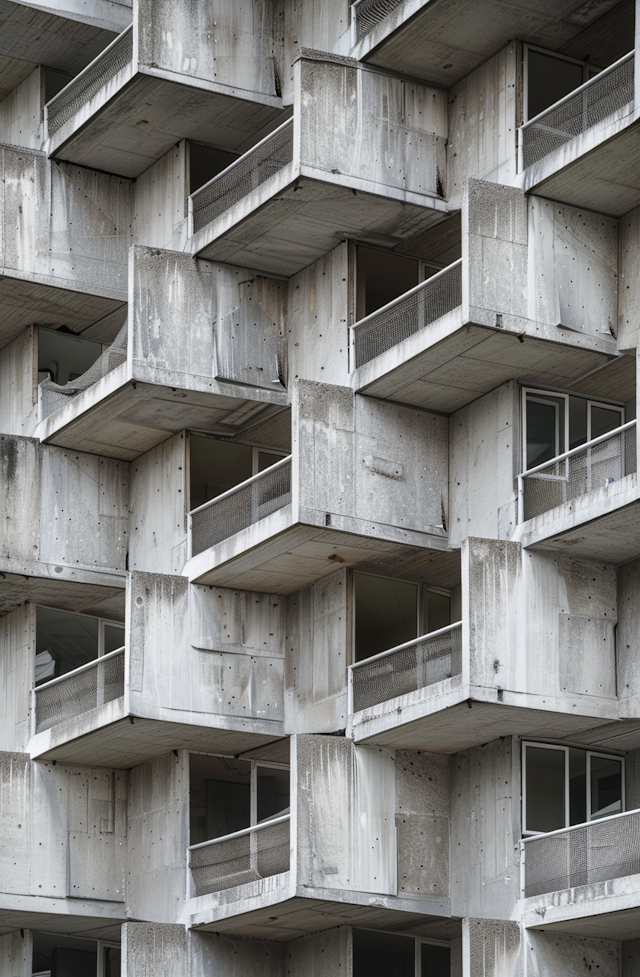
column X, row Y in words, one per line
column 320, row 550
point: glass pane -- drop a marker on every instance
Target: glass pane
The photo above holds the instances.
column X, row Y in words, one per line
column 382, row 277
column 545, row 424
column 219, row 796
column 545, row 789
column 577, row 421
column 113, row 638
column 63, row 956
column 435, row 961
column 266, row 459
column 603, row 420
column 606, row 786
column 577, row 786
column 112, row 962
column 64, row 641
column 205, row 163
column 54, row 82
column 273, row 793
column 550, row 79
column 383, row 954
column 62, row 357
column 438, row 611
column 216, row 466
column 386, row 614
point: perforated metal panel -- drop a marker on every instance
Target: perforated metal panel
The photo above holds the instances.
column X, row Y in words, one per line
column 592, row 103
column 255, row 854
column 415, row 666
column 249, row 172
column 54, row 396
column 80, row 691
column 594, row 852
column 90, row 81
column 369, row 13
column 422, row 306
column 567, row 478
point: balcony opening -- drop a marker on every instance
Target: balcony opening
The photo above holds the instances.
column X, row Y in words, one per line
column 381, row 277
column 66, row 956
column 66, row 641
column 204, row 163
column 54, row 82
column 63, row 357
column 217, row 466
column 550, row 76
column 565, row 786
column 391, row 955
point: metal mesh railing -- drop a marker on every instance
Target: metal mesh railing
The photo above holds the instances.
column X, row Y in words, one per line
column 245, row 856
column 408, row 314
column 241, row 506
column 53, row 396
column 244, row 175
column 407, row 668
column 79, row 691
column 90, row 81
column 589, row 853
column 369, row 13
column 590, row 104
column 592, row 465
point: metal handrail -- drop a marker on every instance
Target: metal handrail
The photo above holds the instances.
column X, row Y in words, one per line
column 405, row 295
column 241, row 833
column 575, row 827
column 578, row 449
column 407, row 644
column 85, row 71
column 238, row 161
column 80, row 668
column 579, row 90
column 241, row 485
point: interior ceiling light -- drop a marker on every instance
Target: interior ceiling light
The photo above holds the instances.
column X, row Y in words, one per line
column 587, row 12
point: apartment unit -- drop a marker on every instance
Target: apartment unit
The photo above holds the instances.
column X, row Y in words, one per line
column 320, row 550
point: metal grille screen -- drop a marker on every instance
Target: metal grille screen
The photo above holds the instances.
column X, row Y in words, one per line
column 594, row 852
column 608, row 93
column 242, row 508
column 80, row 691
column 54, row 396
column 371, row 12
column 250, row 171
column 428, row 660
column 83, row 88
column 227, row 862
column 434, row 298
column 568, row 478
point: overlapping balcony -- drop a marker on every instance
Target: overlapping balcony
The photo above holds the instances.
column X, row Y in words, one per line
column 584, row 879
column 582, row 149
column 297, row 194
column 143, row 94
column 586, row 499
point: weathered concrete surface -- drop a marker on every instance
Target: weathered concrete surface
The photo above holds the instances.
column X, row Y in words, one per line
column 556, row 953
column 492, row 948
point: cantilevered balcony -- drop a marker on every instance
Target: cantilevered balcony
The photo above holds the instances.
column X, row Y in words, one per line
column 583, row 149
column 296, row 194
column 586, row 499
column 584, row 879
column 143, row 93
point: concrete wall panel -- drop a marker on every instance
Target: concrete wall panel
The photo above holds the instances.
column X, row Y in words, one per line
column 319, row 955
column 160, row 201
column 422, row 822
column 18, row 398
column 154, row 950
column 159, row 508
column 218, row 953
column 629, row 289
column 558, row 953
column 17, row 641
column 21, row 113
column 15, row 954
column 491, row 948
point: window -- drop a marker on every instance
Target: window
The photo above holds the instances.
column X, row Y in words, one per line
column 65, row 641
column 227, row 795
column 555, row 423
column 381, row 277
column 564, row 785
column 390, row 612
column 65, row 956
column 391, row 955
column 549, row 77
column 217, row 466
column 63, row 357
column 205, row 163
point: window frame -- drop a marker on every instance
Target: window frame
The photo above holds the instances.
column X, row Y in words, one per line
column 588, row 71
column 418, row 940
column 530, row 833
column 102, row 622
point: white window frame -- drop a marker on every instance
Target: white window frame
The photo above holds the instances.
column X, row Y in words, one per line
column 526, row 833
column 588, row 71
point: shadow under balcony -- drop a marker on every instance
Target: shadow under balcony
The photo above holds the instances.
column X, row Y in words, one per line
column 584, row 880
column 586, row 501
column 583, row 149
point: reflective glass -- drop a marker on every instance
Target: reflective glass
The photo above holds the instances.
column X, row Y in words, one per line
column 545, row 789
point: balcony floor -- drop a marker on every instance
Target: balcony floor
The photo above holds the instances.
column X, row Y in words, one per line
column 602, row 525
column 451, row 362
column 606, row 910
column 121, row 416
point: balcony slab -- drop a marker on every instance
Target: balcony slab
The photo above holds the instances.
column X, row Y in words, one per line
column 606, row 910
column 68, row 588
column 87, row 918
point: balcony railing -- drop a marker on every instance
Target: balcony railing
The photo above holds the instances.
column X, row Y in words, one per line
column 267, row 157
column 368, row 13
column 241, row 506
column 598, row 851
column 408, row 314
column 53, row 396
column 244, row 856
column 607, row 92
column 90, row 81
column 568, row 476
column 79, row 691
column 407, row 668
